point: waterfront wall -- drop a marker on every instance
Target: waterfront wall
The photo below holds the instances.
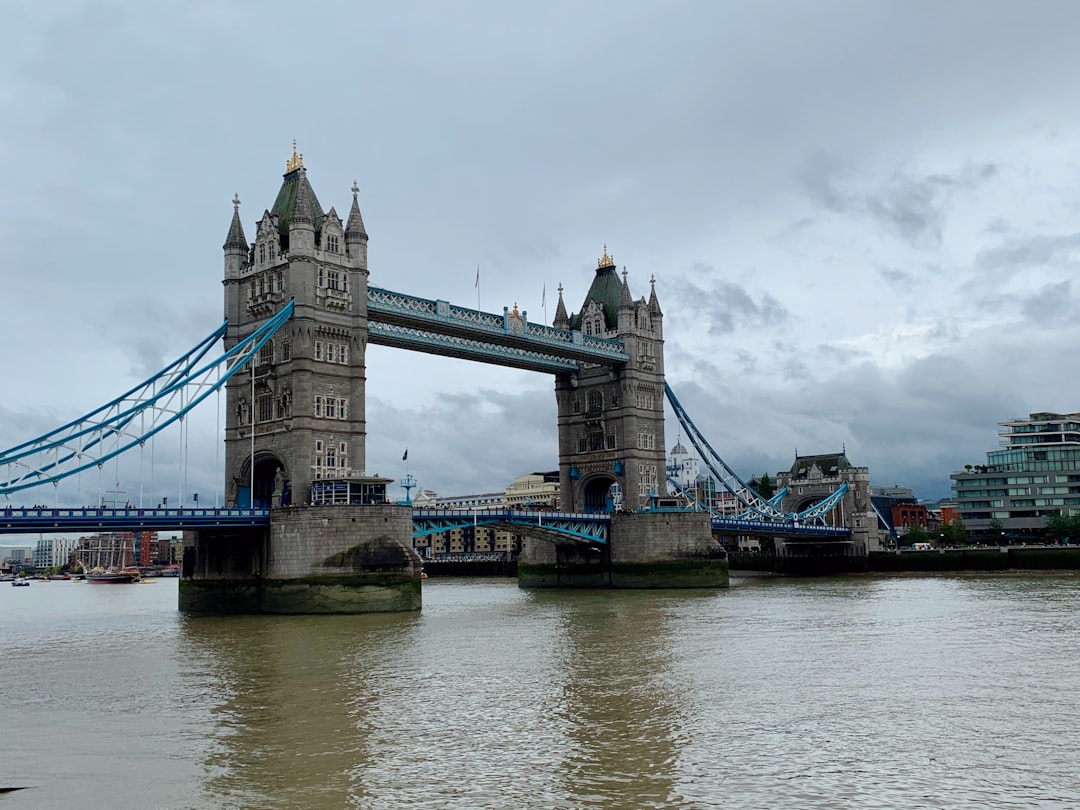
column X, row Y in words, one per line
column 327, row 559
column 1014, row 558
column 644, row 550
column 1007, row 558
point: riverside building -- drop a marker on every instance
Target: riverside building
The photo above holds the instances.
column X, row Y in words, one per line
column 1034, row 475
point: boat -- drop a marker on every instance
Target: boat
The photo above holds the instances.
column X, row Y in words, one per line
column 105, row 576
column 20, row 581
column 106, row 561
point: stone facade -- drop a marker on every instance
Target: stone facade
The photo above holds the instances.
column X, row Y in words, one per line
column 611, row 419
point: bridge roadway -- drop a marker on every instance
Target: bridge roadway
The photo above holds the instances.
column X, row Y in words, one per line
column 584, row 527
column 107, row 519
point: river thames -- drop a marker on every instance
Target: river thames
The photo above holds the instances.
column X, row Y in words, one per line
column 859, row 692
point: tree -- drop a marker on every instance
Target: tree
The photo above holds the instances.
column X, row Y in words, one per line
column 953, row 534
column 915, row 534
column 1060, row 528
column 765, row 487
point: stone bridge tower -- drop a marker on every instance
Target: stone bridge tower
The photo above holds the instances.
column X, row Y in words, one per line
column 611, row 420
column 307, row 410
column 813, row 478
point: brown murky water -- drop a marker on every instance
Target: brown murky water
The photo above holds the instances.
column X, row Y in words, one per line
column 842, row 693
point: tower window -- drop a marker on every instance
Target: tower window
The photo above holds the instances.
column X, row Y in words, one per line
column 266, row 408
column 332, row 244
column 596, row 401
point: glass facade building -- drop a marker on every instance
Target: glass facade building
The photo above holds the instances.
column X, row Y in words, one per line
column 1035, row 474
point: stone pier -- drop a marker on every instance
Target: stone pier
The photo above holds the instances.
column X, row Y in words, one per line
column 644, row 550
column 317, row 559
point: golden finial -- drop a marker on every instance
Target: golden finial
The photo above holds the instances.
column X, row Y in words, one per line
column 605, row 260
column 516, row 313
column 236, row 202
column 295, row 162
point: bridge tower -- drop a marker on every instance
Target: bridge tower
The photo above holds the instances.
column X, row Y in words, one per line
column 295, row 429
column 611, row 420
column 301, row 406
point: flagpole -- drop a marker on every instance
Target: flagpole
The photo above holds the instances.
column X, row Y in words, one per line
column 477, row 287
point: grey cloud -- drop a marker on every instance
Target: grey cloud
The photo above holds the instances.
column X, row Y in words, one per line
column 1015, row 255
column 895, row 277
column 1050, row 306
column 911, row 207
column 725, row 306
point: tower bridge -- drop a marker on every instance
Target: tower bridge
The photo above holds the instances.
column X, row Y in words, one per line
column 299, row 316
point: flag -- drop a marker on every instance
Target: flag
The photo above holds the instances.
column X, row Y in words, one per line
column 405, row 455
column 477, row 284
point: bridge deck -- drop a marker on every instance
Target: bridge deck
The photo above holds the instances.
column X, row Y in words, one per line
column 105, row 519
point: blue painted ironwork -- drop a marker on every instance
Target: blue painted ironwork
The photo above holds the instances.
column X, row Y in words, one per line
column 16, row 520
column 588, row 526
column 403, row 337
column 120, row 425
column 731, row 481
column 407, row 321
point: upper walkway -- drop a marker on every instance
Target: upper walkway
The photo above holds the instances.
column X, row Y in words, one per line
column 439, row 327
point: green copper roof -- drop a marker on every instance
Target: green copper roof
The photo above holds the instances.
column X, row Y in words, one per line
column 295, row 189
column 606, row 289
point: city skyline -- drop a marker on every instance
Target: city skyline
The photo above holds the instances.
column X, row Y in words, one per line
column 861, row 218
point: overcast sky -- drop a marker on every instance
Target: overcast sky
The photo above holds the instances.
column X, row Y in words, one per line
column 862, row 216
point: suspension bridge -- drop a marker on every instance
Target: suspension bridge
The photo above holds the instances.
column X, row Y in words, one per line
column 289, row 361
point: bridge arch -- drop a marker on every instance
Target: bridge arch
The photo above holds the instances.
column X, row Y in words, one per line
column 600, row 492
column 271, row 482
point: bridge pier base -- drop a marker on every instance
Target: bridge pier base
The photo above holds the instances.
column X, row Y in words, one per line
column 644, row 550
column 318, row 559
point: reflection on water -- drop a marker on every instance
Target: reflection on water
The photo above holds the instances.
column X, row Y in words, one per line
column 838, row 693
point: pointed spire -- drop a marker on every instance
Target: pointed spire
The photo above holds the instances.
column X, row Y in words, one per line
column 562, row 320
column 654, row 303
column 354, row 230
column 625, row 300
column 236, row 241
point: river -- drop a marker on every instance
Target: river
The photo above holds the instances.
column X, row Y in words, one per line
column 855, row 692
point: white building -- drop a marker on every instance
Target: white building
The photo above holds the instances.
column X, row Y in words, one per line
column 682, row 468
column 54, row 552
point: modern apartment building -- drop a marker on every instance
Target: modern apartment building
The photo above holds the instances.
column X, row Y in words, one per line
column 1034, row 475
